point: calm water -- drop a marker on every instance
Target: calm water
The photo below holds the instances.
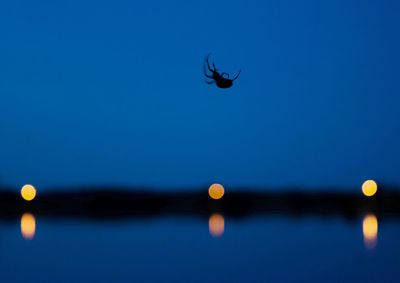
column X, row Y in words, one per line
column 186, row 249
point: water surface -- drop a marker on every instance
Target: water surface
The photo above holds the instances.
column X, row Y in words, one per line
column 197, row 249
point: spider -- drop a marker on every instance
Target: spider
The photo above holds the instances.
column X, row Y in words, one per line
column 220, row 79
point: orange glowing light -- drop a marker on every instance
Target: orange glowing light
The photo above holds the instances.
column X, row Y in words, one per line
column 216, row 225
column 370, row 230
column 369, row 188
column 216, row 191
column 28, row 192
column 28, row 226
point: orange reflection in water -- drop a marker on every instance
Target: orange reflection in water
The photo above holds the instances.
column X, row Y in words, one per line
column 216, row 225
column 28, row 226
column 370, row 230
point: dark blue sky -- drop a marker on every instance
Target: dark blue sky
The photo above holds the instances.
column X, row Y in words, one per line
column 112, row 92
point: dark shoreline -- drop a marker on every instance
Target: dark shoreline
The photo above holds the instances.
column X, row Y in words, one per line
column 115, row 203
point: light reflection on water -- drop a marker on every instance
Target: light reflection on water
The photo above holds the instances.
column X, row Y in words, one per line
column 28, row 226
column 174, row 249
column 370, row 231
column 216, row 225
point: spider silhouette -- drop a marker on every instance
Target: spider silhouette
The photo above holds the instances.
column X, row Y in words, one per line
column 220, row 79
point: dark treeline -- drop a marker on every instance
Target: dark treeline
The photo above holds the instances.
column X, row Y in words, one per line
column 111, row 203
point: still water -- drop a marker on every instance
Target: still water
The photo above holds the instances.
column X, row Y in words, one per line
column 191, row 249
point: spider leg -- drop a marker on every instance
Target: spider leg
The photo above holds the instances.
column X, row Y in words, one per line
column 208, row 64
column 205, row 72
column 237, row 75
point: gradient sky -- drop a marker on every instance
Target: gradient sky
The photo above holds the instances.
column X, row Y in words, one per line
column 112, row 92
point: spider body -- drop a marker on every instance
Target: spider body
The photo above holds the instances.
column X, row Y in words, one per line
column 220, row 79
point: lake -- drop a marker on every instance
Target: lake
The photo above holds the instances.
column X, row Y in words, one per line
column 190, row 248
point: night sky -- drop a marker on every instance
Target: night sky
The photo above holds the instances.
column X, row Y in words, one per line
column 113, row 93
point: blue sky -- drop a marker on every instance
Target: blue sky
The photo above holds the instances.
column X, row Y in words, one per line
column 112, row 92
